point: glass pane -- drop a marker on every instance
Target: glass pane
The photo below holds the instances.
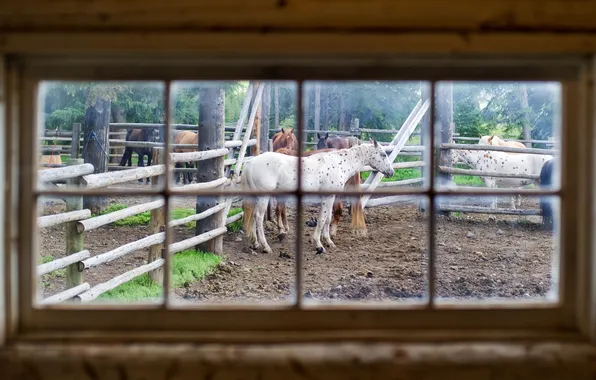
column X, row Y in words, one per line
column 343, row 114
column 105, row 257
column 494, row 255
column 105, row 116
column 208, row 116
column 380, row 255
column 211, row 263
column 501, row 117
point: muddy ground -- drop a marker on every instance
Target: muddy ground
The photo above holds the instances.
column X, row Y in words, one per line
column 478, row 256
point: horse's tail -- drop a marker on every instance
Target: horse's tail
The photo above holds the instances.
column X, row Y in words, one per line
column 358, row 221
column 546, row 174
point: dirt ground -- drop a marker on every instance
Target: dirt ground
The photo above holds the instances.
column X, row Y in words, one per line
column 478, row 256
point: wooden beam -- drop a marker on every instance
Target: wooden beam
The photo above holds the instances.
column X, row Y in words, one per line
column 66, row 295
column 496, row 148
column 487, row 210
column 62, row 262
column 102, row 220
column 481, row 173
column 123, row 250
column 53, row 220
column 66, row 172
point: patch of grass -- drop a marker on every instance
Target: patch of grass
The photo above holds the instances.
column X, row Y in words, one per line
column 237, row 225
column 187, row 267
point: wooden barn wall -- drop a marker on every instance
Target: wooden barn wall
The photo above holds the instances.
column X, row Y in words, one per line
column 300, row 26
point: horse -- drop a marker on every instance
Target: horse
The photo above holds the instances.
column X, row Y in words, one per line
column 358, row 222
column 495, row 162
column 285, row 138
column 329, row 171
column 186, row 137
column 139, row 135
column 336, row 142
column 495, row 140
column 546, row 180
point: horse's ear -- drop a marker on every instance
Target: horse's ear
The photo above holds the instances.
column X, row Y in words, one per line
column 326, row 135
column 318, row 135
column 290, row 131
column 374, row 142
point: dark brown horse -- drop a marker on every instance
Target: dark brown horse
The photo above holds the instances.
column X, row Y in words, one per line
column 358, row 222
column 139, row 135
column 335, row 142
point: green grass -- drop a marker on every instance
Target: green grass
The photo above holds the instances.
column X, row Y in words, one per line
column 187, row 267
column 144, row 218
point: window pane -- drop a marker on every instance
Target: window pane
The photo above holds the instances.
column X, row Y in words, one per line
column 101, row 114
column 113, row 252
column 343, row 114
column 494, row 256
column 382, row 257
column 211, row 263
column 496, row 115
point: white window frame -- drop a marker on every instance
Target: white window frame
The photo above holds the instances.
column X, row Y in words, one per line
column 571, row 318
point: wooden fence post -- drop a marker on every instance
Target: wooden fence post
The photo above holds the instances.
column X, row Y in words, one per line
column 74, row 240
column 157, row 223
column 211, row 130
column 96, row 147
column 76, row 142
column 266, row 109
column 444, row 110
column 256, row 132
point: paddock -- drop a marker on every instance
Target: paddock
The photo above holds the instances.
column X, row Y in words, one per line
column 478, row 256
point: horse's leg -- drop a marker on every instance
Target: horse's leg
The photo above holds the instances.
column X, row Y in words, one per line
column 337, row 210
column 141, row 163
column 324, row 217
column 149, row 159
column 326, row 226
column 260, row 218
column 280, row 209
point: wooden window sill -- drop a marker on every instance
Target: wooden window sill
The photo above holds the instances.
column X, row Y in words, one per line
column 317, row 361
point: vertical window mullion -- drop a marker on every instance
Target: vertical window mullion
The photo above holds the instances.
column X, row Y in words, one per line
column 165, row 192
column 430, row 199
column 299, row 270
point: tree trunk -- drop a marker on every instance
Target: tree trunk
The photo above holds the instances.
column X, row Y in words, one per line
column 266, row 108
column 342, row 112
column 317, row 122
column 211, row 130
column 444, row 104
column 276, row 99
column 324, row 110
column 118, row 116
column 527, row 127
column 96, row 146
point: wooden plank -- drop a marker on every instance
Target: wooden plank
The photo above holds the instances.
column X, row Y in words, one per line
column 94, row 181
column 123, row 250
column 66, row 295
column 99, row 289
column 481, row 173
column 240, row 123
column 399, row 141
column 398, row 165
column 198, row 156
column 204, row 185
column 102, row 220
column 394, row 199
column 196, row 240
column 199, row 216
column 62, row 173
column 496, row 148
column 53, row 220
column 62, row 262
column 487, row 210
column 157, row 223
column 459, row 15
column 404, row 182
column 76, row 143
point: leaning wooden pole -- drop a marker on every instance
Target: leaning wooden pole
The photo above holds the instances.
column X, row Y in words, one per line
column 240, row 124
column 256, row 132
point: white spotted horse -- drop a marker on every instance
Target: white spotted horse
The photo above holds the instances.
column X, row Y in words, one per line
column 327, row 171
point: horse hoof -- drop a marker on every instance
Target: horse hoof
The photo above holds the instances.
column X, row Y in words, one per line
column 267, row 250
column 281, row 236
column 320, row 250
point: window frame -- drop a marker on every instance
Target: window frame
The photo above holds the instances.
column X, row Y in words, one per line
column 571, row 319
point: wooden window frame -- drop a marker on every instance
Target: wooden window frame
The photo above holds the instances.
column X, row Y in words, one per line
column 571, row 319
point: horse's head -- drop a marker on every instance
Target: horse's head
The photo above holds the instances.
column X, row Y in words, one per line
column 151, row 134
column 379, row 160
column 322, row 143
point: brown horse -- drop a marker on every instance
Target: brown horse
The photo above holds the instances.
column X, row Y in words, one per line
column 139, row 135
column 185, row 137
column 358, row 222
column 285, row 138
